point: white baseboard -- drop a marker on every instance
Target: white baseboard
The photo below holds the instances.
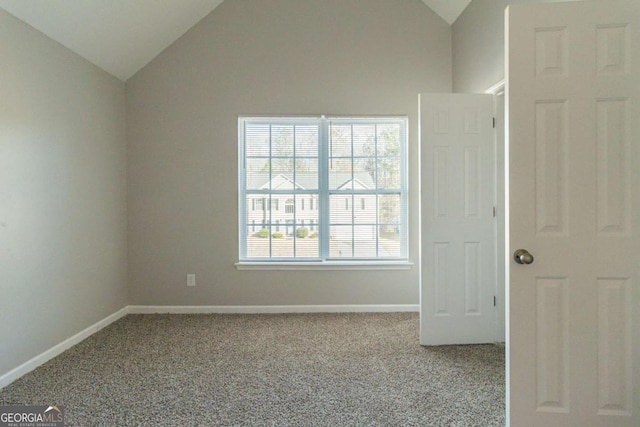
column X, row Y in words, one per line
column 54, row 351
column 261, row 309
column 44, row 357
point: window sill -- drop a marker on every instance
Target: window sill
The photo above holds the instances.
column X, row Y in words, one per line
column 324, row 265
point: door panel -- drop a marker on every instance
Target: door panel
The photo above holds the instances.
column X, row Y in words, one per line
column 573, row 93
column 458, row 236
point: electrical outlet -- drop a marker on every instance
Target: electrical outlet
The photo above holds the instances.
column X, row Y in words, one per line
column 191, row 279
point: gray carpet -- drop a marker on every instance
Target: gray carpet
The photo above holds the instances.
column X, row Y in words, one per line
column 268, row 370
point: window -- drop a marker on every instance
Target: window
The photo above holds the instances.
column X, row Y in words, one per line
column 332, row 163
column 289, row 206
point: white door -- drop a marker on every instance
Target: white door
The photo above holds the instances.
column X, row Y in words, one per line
column 458, row 276
column 574, row 314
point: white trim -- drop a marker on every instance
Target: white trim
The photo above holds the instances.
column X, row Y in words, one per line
column 497, row 88
column 54, row 351
column 326, row 265
column 272, row 309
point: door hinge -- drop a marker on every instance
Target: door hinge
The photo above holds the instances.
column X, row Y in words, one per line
column 494, row 122
column 494, row 301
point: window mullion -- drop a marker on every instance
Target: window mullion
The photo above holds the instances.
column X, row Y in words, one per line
column 323, row 187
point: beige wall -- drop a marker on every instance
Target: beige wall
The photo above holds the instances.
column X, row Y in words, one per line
column 62, row 194
column 268, row 57
column 478, row 44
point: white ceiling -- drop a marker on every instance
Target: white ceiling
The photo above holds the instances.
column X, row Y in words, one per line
column 122, row 36
column 449, row 10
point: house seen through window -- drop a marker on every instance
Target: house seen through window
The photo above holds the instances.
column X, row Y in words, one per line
column 322, row 189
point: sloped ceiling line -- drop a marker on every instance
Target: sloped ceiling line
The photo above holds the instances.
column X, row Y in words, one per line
column 122, row 36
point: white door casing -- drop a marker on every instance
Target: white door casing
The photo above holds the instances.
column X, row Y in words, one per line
column 573, row 83
column 458, row 276
column 500, row 217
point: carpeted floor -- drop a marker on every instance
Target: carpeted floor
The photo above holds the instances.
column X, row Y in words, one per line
column 268, row 370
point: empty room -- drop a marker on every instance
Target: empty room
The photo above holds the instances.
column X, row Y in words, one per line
column 319, row 212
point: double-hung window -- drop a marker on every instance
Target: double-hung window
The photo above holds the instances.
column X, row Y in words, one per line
column 342, row 182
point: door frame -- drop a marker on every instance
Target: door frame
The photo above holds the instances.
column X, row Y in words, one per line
column 498, row 91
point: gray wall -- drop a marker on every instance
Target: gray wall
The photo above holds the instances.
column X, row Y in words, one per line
column 62, row 193
column 478, row 44
column 265, row 57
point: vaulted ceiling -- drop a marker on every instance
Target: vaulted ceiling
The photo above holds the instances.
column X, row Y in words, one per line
column 449, row 10
column 122, row 36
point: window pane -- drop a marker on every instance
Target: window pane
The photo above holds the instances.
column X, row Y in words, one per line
column 389, row 173
column 364, row 241
column 282, row 243
column 307, row 174
column 388, row 140
column 282, row 165
column 340, row 174
column 364, row 173
column 304, row 213
column 257, row 140
column 341, row 241
column 258, row 242
column 257, row 174
column 282, row 174
column 340, row 141
column 341, row 209
column 258, row 209
column 365, row 211
column 307, row 245
column 306, row 141
column 389, row 241
column 364, row 140
column 389, row 209
column 282, row 141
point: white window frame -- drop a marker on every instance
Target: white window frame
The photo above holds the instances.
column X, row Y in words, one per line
column 322, row 204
